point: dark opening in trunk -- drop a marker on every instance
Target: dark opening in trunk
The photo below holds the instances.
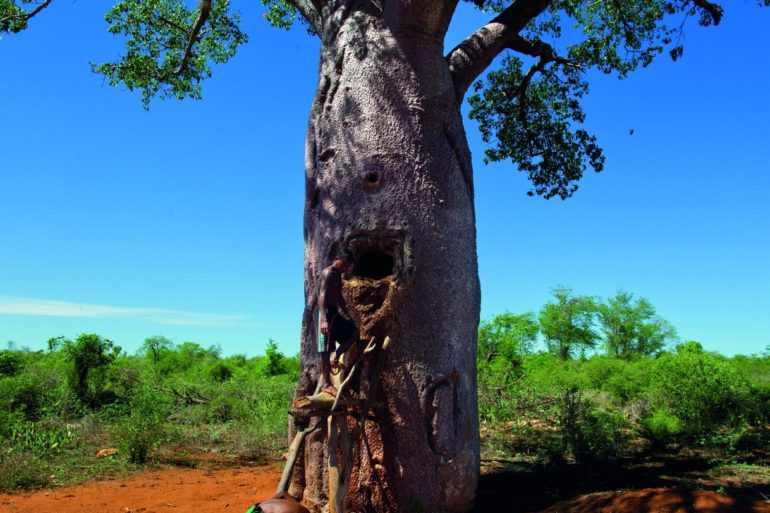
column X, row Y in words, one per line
column 373, row 264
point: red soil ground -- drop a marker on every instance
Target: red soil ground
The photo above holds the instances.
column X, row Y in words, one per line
column 172, row 490
column 234, row 490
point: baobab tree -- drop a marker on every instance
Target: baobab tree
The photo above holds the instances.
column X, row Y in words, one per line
column 388, row 173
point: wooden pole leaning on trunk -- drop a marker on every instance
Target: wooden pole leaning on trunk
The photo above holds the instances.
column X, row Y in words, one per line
column 291, row 457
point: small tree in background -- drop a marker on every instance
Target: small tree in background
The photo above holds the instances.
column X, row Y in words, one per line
column 89, row 354
column 11, row 362
column 155, row 347
column 567, row 323
column 632, row 328
column 690, row 346
column 274, row 363
column 510, row 336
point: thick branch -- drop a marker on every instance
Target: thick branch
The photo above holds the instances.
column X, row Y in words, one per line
column 714, row 10
column 205, row 6
column 535, row 49
column 309, row 405
column 471, row 57
column 429, row 18
column 311, row 11
column 26, row 15
column 37, row 9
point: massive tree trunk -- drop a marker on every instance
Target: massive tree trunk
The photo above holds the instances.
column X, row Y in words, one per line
column 388, row 173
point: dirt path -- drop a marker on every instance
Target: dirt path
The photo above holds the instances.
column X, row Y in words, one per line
column 160, row 491
column 234, row 490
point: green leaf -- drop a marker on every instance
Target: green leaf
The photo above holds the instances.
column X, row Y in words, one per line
column 534, row 125
column 156, row 33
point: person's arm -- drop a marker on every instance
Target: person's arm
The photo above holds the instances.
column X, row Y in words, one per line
column 323, row 321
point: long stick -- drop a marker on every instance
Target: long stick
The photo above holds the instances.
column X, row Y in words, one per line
column 291, row 457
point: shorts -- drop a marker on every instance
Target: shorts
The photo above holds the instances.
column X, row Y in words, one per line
column 340, row 331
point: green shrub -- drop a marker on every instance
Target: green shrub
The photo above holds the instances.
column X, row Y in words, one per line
column 570, row 410
column 222, row 409
column 274, row 362
column 662, row 427
column 11, row 363
column 603, row 435
column 220, row 372
column 22, row 471
column 41, row 439
column 143, row 429
column 701, row 389
column 22, row 394
column 89, row 356
column 497, row 403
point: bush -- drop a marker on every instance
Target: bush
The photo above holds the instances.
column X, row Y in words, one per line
column 662, row 427
column 220, row 372
column 22, row 471
column 89, row 355
column 11, row 363
column 603, row 435
column 222, row 409
column 34, row 393
column 41, row 439
column 701, row 389
column 143, row 429
column 274, row 362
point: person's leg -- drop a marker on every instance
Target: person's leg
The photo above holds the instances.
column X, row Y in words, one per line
column 325, row 364
column 351, row 346
column 326, row 378
column 348, row 332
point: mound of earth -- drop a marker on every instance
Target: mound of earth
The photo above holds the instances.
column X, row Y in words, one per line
column 658, row 500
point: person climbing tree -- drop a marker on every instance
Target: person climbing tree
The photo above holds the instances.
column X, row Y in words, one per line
column 336, row 325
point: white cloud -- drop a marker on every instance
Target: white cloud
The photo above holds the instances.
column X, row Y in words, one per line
column 43, row 307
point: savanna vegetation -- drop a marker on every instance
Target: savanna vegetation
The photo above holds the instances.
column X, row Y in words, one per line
column 613, row 381
column 173, row 403
column 584, row 380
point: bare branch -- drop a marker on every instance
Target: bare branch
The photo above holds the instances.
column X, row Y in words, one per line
column 188, row 396
column 471, row 57
column 205, row 9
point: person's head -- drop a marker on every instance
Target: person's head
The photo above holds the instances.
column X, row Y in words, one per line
column 343, row 259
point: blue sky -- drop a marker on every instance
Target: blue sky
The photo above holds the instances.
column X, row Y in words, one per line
column 186, row 221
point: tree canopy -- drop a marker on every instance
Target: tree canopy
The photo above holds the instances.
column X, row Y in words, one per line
column 632, row 328
column 567, row 323
column 528, row 107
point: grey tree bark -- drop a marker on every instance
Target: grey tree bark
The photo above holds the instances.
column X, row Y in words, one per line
column 388, row 173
